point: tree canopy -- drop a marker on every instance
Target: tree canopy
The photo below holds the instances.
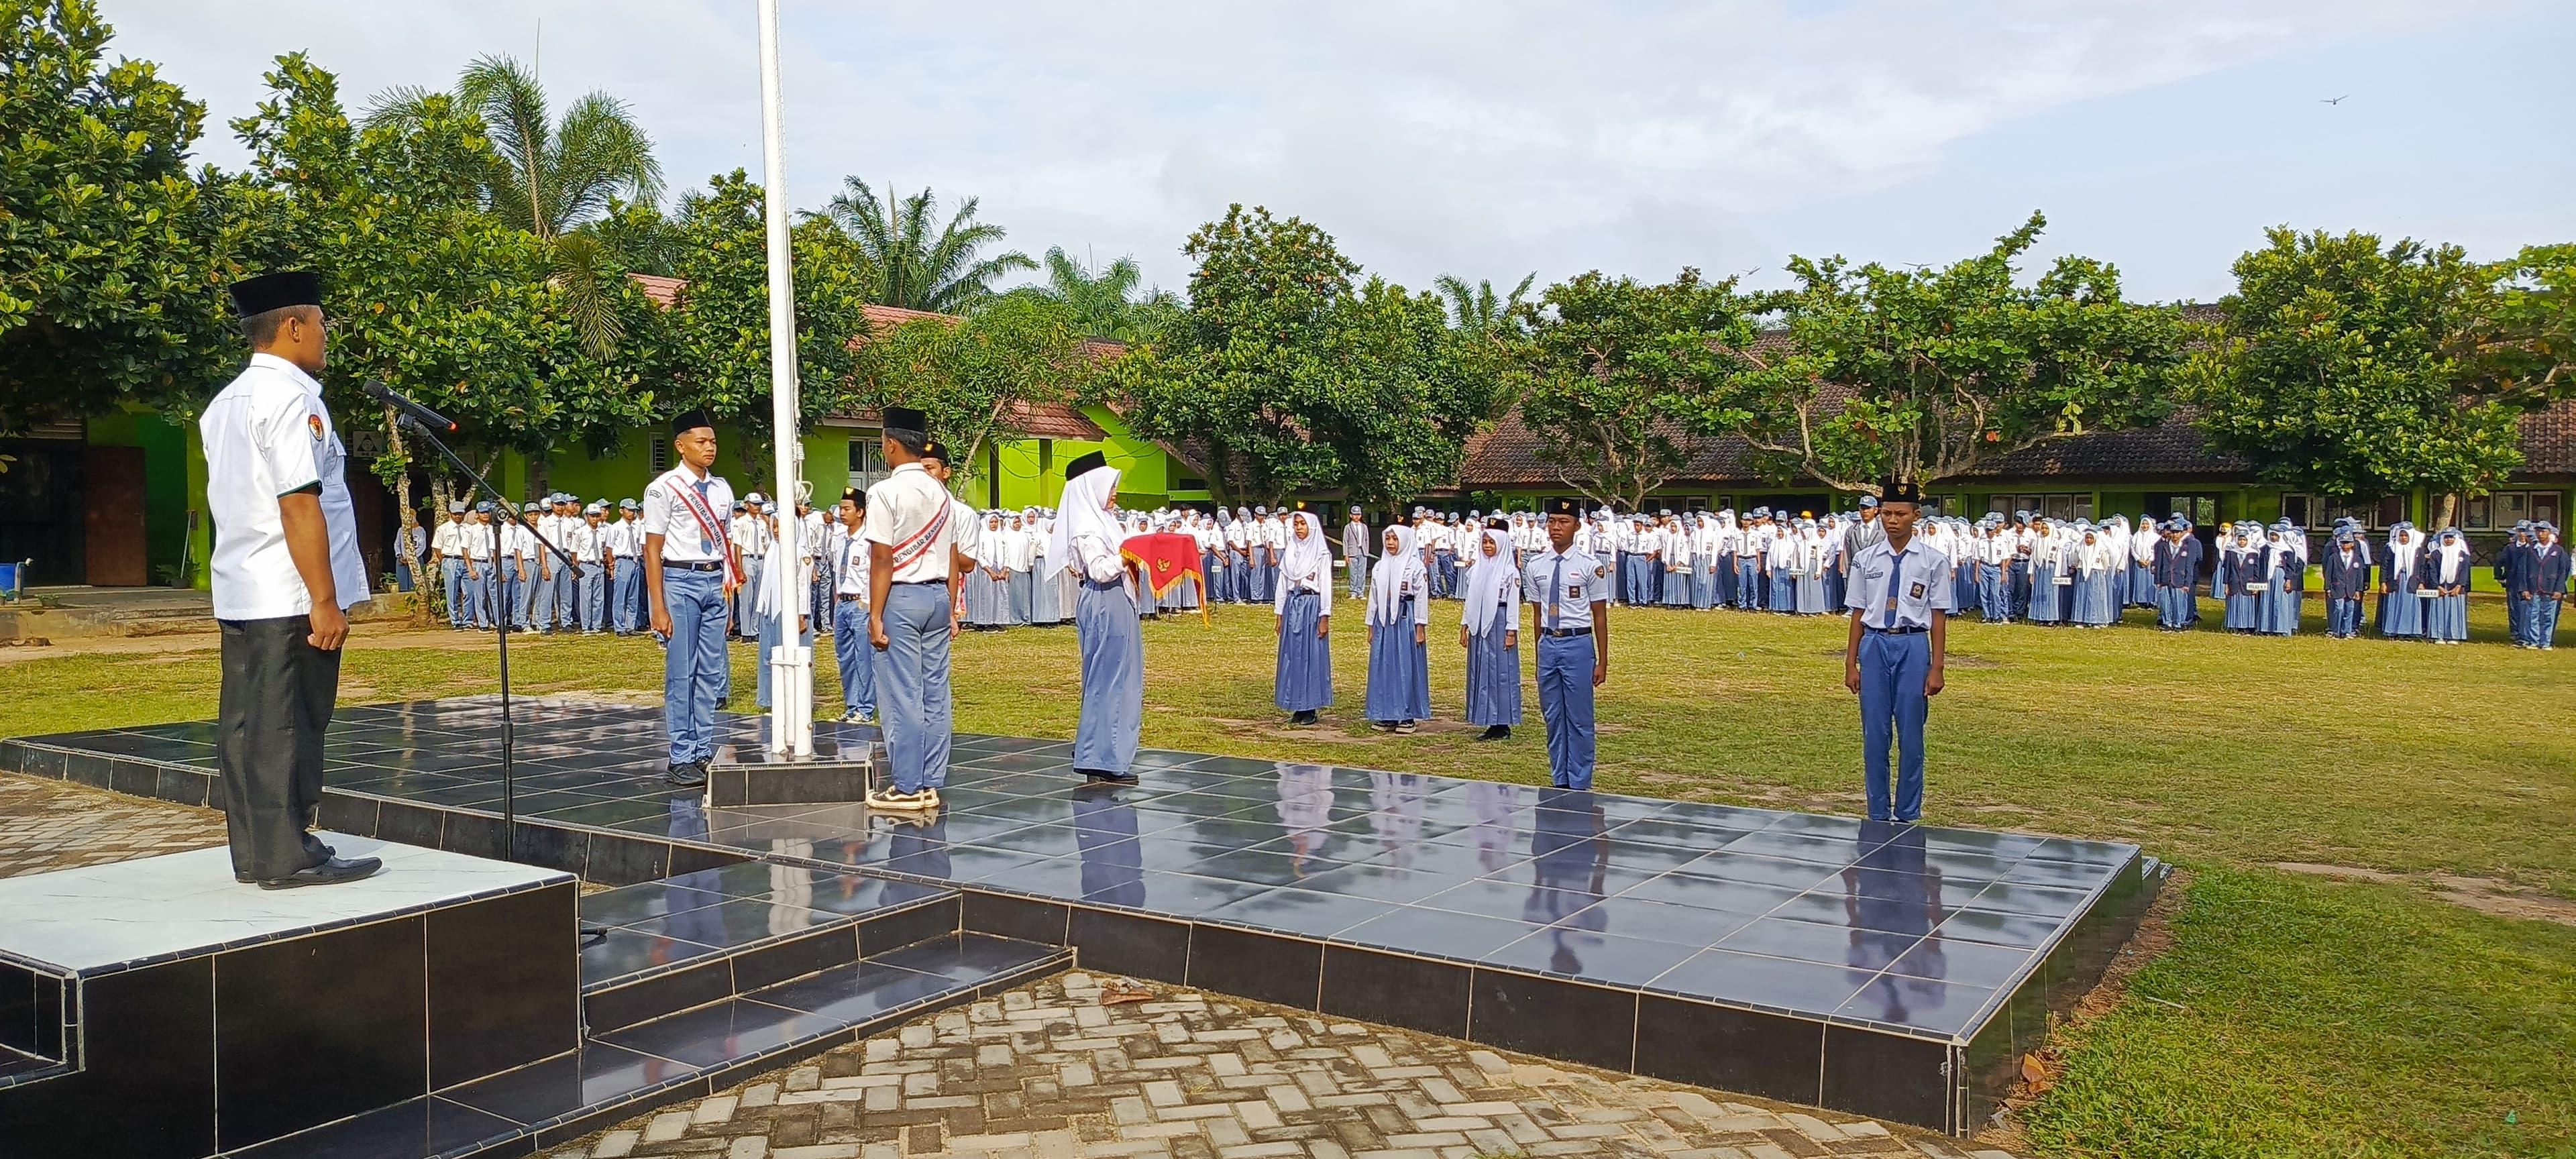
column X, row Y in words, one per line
column 1607, row 364
column 974, row 378
column 1921, row 375
column 717, row 353
column 1295, row 380
column 111, row 276
column 1104, row 300
column 2355, row 367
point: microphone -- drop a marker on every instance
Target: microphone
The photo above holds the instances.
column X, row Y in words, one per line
column 416, row 412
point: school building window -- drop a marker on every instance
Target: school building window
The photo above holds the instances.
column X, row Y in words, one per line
column 2055, row 507
column 2503, row 509
column 867, row 460
column 661, row 456
column 2303, row 510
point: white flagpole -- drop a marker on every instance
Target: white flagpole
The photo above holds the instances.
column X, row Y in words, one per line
column 791, row 671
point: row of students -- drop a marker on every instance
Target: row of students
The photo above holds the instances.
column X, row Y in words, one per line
column 496, row 569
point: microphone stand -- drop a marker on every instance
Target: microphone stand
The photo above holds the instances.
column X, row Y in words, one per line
column 500, row 618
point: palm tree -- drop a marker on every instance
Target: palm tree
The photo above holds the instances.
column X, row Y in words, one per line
column 551, row 176
column 1103, row 299
column 1479, row 310
column 919, row 269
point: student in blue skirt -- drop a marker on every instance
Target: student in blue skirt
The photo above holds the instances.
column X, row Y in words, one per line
column 1399, row 669
column 1303, row 606
column 1087, row 535
column 2446, row 570
column 2401, row 611
column 1490, row 632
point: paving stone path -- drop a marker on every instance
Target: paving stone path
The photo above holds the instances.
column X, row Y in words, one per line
column 1048, row 1072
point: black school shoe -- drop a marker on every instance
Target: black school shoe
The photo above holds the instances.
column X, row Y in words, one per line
column 1302, row 718
column 330, row 872
column 1104, row 777
column 687, row 775
column 1497, row 732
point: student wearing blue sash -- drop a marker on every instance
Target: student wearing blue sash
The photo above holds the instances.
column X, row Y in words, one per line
column 1303, row 608
column 1086, row 542
column 1489, row 630
column 1893, row 654
column 1399, row 668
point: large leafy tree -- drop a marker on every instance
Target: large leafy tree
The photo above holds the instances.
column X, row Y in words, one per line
column 110, row 283
column 1607, row 363
column 1924, row 374
column 424, row 288
column 975, row 378
column 718, row 334
column 2356, row 367
column 1295, row 380
column 1103, row 299
column 917, row 261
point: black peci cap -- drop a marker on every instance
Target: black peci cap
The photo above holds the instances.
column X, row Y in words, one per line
column 1900, row 491
column 855, row 495
column 690, row 420
column 904, row 418
column 1085, row 465
column 935, row 449
column 1565, row 505
column 255, row 296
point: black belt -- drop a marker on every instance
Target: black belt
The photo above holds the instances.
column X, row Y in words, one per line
column 700, row 565
column 1899, row 631
column 846, row 597
column 1564, row 632
column 917, row 583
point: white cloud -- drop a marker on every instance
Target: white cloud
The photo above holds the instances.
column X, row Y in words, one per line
column 1483, row 138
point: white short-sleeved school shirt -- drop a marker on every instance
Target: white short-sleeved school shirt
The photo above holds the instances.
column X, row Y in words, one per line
column 688, row 511
column 1579, row 578
column 1893, row 589
column 267, row 435
column 910, row 512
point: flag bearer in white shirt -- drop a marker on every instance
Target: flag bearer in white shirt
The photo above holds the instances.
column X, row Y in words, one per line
column 690, row 576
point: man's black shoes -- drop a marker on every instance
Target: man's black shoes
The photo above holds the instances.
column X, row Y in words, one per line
column 330, row 872
column 1104, row 777
column 687, row 775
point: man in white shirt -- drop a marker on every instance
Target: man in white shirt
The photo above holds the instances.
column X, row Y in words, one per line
column 286, row 566
column 1357, row 547
column 849, row 553
column 482, row 578
column 690, row 576
column 570, row 580
column 624, row 543
column 447, row 547
column 588, row 542
column 527, row 570
column 1893, row 654
column 911, row 525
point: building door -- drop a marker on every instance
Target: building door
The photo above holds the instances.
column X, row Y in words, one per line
column 113, row 517
column 2202, row 510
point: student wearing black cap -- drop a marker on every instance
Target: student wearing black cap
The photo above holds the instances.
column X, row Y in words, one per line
column 1568, row 592
column 1893, row 655
column 286, row 566
column 690, row 575
column 912, row 534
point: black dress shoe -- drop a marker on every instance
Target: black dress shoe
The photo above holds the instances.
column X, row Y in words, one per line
column 1103, row 777
column 330, row 872
column 686, row 776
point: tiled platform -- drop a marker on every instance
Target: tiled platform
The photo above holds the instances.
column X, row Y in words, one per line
column 1895, row 971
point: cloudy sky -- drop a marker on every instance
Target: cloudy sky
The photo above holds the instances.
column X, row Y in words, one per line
column 1493, row 138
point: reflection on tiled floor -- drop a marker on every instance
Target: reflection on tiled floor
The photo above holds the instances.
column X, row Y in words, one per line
column 1855, row 965
column 1914, row 927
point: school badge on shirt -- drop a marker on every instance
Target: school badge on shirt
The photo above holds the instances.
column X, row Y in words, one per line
column 1916, row 592
column 314, row 422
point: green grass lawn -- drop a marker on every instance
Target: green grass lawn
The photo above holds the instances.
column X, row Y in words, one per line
column 2314, row 1018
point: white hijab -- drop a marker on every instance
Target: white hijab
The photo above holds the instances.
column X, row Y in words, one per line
column 1387, row 584
column 1307, row 560
column 2401, row 556
column 2450, row 550
column 1084, row 510
column 1492, row 583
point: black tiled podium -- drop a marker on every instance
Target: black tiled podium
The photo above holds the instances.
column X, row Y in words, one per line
column 1896, row 971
